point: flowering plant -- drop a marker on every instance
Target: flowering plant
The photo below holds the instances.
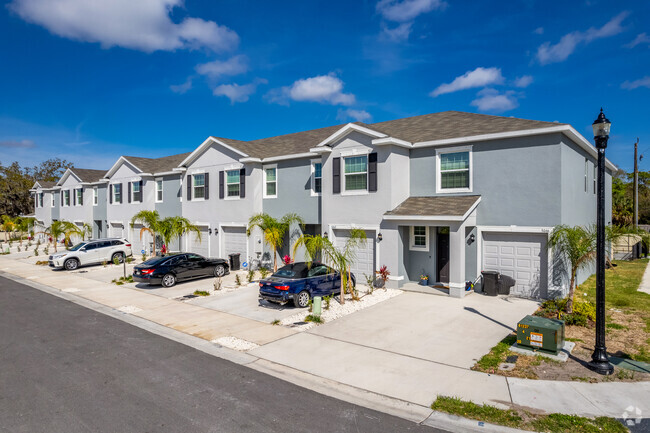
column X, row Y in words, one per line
column 424, row 277
column 383, row 273
column 286, row 259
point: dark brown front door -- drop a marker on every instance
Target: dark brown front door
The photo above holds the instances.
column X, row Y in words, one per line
column 443, row 257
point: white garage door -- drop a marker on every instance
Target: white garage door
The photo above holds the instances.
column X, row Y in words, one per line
column 235, row 241
column 365, row 253
column 137, row 244
column 115, row 231
column 199, row 246
column 521, row 256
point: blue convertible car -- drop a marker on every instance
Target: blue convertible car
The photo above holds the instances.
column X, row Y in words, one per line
column 300, row 282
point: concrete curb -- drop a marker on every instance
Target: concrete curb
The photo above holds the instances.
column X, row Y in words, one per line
column 455, row 423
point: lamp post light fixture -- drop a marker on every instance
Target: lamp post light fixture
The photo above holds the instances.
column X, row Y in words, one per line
column 599, row 360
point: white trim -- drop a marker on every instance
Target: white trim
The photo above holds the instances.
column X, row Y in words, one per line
column 285, row 157
column 250, row 159
column 95, row 196
column 344, row 190
column 355, row 152
column 225, row 185
column 459, row 149
column 434, row 218
column 313, row 178
column 194, row 186
column 162, row 190
column 350, row 127
column 65, row 177
column 221, row 239
column 196, row 171
column 203, row 146
column 412, row 246
column 133, row 182
column 264, row 192
column 392, row 140
column 165, row 173
column 324, row 149
column 117, row 164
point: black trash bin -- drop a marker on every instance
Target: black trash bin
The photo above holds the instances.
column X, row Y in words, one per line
column 505, row 284
column 234, row 261
column 490, row 282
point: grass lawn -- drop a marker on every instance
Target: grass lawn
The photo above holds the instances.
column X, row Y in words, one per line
column 553, row 423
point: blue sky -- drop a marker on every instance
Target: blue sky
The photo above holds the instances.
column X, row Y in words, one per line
column 89, row 81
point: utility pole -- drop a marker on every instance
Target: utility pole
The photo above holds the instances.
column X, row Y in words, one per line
column 636, row 184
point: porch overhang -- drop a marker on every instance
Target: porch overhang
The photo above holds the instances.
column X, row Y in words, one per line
column 455, row 208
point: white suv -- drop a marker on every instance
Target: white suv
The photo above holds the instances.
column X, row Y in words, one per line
column 91, row 252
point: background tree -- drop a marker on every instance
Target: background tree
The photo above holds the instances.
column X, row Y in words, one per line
column 151, row 222
column 274, row 230
column 8, row 226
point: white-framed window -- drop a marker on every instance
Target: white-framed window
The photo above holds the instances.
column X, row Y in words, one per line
column 270, row 181
column 316, row 177
column 586, row 173
column 95, row 196
column 117, row 193
column 53, row 199
column 419, row 238
column 355, row 172
column 454, row 169
column 159, row 190
column 66, row 197
column 78, row 197
column 198, row 186
column 232, row 183
column 136, row 192
column 40, row 199
column 595, row 172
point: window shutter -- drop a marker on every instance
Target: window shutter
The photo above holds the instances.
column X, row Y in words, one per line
column 242, row 183
column 141, row 191
column 110, row 193
column 81, row 201
column 221, row 186
column 188, row 179
column 206, row 187
column 36, row 200
column 372, row 172
column 336, row 175
column 128, row 197
column 122, row 194
column 61, row 195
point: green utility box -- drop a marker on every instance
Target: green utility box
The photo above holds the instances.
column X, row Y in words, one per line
column 539, row 333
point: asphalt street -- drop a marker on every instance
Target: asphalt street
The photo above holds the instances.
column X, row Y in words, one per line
column 66, row 368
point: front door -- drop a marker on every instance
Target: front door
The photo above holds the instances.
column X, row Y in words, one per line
column 443, row 256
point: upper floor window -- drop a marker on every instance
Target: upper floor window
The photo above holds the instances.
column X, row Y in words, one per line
column 66, row 197
column 95, row 196
column 52, row 197
column 316, row 178
column 117, row 193
column 136, row 191
column 356, row 173
column 78, row 197
column 232, row 183
column 198, row 186
column 454, row 170
column 270, row 182
column 159, row 190
column 419, row 238
column 40, row 199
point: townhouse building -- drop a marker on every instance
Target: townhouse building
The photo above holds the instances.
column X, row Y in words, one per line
column 46, row 206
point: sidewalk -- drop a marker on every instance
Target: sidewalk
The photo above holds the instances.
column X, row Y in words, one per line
column 645, row 281
column 340, row 360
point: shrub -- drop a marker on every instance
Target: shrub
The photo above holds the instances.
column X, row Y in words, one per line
column 36, row 251
column 116, row 260
column 575, row 319
column 586, row 309
column 201, row 293
column 250, row 275
column 46, row 250
column 144, row 257
column 327, row 300
column 383, row 273
column 370, row 282
column 237, row 280
column 313, row 318
column 217, row 283
column 129, row 259
column 264, row 272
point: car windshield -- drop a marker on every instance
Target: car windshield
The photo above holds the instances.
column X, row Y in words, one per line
column 78, row 246
column 292, row 271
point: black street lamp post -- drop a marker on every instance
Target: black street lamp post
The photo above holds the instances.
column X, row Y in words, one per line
column 599, row 360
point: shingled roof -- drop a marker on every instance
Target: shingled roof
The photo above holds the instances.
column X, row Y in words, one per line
column 157, row 165
column 88, row 175
column 46, row 184
column 446, row 206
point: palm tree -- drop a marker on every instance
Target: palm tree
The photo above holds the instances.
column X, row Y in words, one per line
column 8, row 225
column 175, row 227
column 339, row 258
column 274, row 230
column 61, row 228
column 22, row 225
column 86, row 231
column 150, row 220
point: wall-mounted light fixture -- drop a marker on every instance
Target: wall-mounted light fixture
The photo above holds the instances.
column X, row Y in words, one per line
column 325, row 235
column 216, row 231
column 209, row 231
column 380, row 237
column 471, row 239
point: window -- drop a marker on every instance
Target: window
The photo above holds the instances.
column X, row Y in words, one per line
column 595, row 170
column 95, row 196
column 53, row 201
column 159, row 190
column 78, row 197
column 66, row 197
column 316, row 178
column 270, row 182
column 454, row 171
column 419, row 238
column 198, row 183
column 40, row 199
column 586, row 173
column 232, row 183
column 117, row 193
column 136, row 192
column 356, row 173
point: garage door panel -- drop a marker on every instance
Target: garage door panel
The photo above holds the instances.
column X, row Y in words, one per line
column 365, row 253
column 199, row 245
column 235, row 241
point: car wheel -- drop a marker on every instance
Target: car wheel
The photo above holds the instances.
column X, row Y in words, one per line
column 119, row 256
column 302, row 299
column 71, row 264
column 169, row 280
column 219, row 271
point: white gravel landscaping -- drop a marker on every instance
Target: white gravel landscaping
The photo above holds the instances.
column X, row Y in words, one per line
column 235, row 343
column 129, row 309
column 337, row 310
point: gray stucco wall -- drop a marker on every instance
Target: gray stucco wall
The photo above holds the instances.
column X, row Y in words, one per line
column 471, row 254
column 294, row 192
column 171, row 204
column 420, row 262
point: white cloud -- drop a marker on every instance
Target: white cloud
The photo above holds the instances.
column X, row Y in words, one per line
column 492, row 100
column 143, row 25
column 641, row 39
column 479, row 77
column 547, row 53
column 182, row 88
column 234, row 66
column 236, row 92
column 523, row 81
column 349, row 113
column 539, row 31
column 642, row 82
column 407, row 10
column 21, row 144
column 396, row 34
column 326, row 89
